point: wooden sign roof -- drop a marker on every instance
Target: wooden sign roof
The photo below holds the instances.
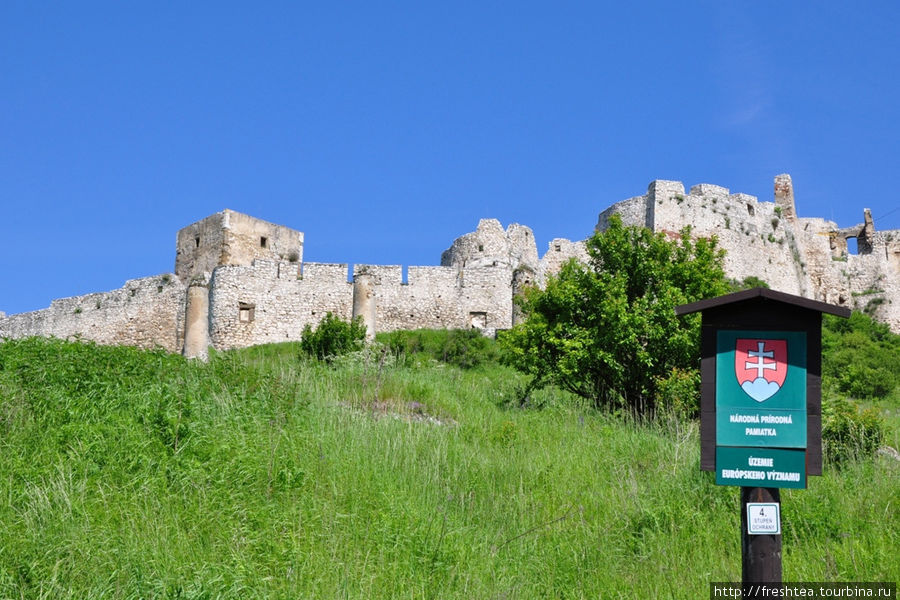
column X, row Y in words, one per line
column 763, row 294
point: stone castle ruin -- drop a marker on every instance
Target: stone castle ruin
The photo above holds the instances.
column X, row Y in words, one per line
column 240, row 281
column 804, row 256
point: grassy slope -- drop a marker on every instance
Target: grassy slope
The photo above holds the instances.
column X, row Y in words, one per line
column 128, row 474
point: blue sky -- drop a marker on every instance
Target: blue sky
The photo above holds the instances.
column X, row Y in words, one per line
column 385, row 130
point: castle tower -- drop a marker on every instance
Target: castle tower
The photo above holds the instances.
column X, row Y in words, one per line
column 784, row 196
column 233, row 238
column 866, row 236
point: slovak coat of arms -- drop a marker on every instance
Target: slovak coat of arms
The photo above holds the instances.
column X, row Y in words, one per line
column 761, row 366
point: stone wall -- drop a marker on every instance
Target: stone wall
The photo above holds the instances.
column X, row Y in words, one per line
column 272, row 301
column 269, row 302
column 758, row 240
column 514, row 248
column 199, row 247
column 146, row 312
column 559, row 251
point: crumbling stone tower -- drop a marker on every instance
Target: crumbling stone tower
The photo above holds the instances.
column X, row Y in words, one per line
column 232, row 238
column 227, row 238
column 784, row 196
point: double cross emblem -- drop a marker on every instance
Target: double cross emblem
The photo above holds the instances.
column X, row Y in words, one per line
column 760, row 366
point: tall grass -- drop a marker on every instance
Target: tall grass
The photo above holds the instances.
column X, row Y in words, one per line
column 131, row 474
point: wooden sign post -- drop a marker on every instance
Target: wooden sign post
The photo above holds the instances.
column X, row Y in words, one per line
column 761, row 409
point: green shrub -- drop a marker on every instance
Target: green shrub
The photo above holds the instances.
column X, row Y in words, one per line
column 464, row 348
column 678, row 393
column 866, row 383
column 872, row 305
column 859, row 357
column 849, row 433
column 332, row 337
column 748, row 283
column 859, row 360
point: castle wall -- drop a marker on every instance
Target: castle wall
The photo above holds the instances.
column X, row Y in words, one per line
column 491, row 245
column 267, row 301
column 199, row 247
column 271, row 301
column 633, row 211
column 442, row 297
column 248, row 239
column 258, row 291
column 868, row 281
column 147, row 313
column 559, row 251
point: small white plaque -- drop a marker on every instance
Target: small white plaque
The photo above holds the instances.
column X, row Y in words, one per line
column 763, row 518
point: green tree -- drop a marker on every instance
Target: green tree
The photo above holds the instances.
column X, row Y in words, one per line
column 607, row 330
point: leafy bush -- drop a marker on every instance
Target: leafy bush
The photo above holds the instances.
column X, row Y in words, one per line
column 748, row 283
column 848, row 432
column 464, row 348
column 607, row 331
column 859, row 357
column 678, row 393
column 864, row 382
column 332, row 337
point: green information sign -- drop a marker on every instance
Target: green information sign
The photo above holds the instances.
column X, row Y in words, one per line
column 761, row 467
column 761, row 389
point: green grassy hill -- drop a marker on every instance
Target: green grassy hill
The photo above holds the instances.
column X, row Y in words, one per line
column 134, row 474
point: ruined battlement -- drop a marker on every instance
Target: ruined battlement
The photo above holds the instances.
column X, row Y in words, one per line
column 491, row 245
column 241, row 281
column 768, row 240
column 146, row 312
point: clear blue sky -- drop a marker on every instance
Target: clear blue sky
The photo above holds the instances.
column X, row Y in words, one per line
column 383, row 130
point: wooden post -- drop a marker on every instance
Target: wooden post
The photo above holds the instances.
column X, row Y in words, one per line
column 760, row 554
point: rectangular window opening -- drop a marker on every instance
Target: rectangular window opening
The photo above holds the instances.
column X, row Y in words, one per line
column 197, row 242
column 246, row 312
column 263, row 242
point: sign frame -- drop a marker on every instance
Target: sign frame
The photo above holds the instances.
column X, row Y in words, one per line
column 761, row 309
column 762, row 527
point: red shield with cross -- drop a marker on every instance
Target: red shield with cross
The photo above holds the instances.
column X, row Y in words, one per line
column 761, row 366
